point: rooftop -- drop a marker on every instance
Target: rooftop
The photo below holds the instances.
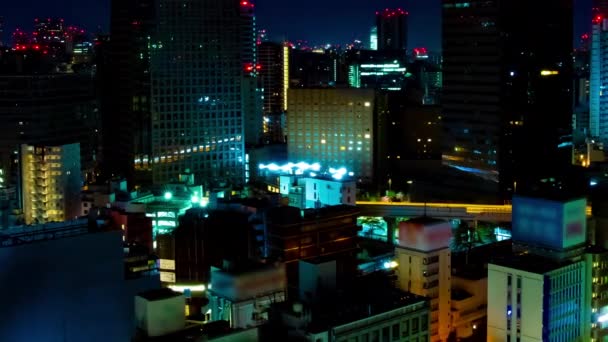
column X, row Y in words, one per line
column 49, row 231
column 238, row 268
column 458, row 294
column 159, row 294
column 363, row 298
column 530, row 263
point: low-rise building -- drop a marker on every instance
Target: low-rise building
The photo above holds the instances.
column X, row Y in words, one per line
column 242, row 295
column 424, row 267
column 364, row 309
column 469, row 303
column 316, row 192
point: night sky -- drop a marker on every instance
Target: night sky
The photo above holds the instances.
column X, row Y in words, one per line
column 318, row 21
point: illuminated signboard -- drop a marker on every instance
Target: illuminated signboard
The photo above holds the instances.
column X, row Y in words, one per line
column 425, row 236
column 166, row 264
column 553, row 224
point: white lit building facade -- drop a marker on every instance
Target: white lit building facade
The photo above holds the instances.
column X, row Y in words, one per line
column 316, row 192
column 532, row 300
column 336, row 127
column 542, row 292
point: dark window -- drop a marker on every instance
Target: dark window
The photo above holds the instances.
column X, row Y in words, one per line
column 424, row 323
column 386, row 334
column 395, row 332
column 415, row 325
column 406, row 329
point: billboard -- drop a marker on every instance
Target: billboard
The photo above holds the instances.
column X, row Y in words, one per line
column 553, row 224
column 425, row 235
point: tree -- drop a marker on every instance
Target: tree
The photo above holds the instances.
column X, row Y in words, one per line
column 465, row 238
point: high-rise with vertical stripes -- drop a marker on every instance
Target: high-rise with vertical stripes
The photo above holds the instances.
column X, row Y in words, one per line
column 197, row 107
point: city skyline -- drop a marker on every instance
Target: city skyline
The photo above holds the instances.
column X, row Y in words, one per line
column 283, row 20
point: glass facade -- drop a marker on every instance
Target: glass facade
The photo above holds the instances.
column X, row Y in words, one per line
column 197, row 110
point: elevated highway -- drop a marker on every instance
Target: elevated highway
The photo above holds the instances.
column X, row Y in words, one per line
column 463, row 211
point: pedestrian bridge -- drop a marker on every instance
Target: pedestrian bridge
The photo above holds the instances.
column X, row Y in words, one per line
column 463, row 211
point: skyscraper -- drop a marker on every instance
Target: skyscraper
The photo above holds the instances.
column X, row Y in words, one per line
column 598, row 99
column 251, row 93
column 197, row 109
column 126, row 103
column 274, row 63
column 507, row 101
column 391, row 29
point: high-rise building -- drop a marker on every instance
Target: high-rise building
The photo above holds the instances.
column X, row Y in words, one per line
column 598, row 100
column 547, row 272
column 274, row 63
column 252, row 94
column 339, row 128
column 373, row 38
column 423, row 259
column 391, row 25
column 526, row 297
column 312, row 69
column 384, row 70
column 507, row 100
column 126, row 101
column 50, row 183
column 197, row 108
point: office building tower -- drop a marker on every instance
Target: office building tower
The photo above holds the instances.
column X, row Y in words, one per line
column 547, row 272
column 423, row 258
column 197, row 107
column 507, row 99
column 274, row 74
column 125, row 83
column 47, row 110
column 252, row 94
column 373, row 38
column 338, row 128
column 596, row 259
column 527, row 297
column 312, row 69
column 598, row 100
column 384, row 70
column 391, row 25
column 50, row 183
column 274, row 64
